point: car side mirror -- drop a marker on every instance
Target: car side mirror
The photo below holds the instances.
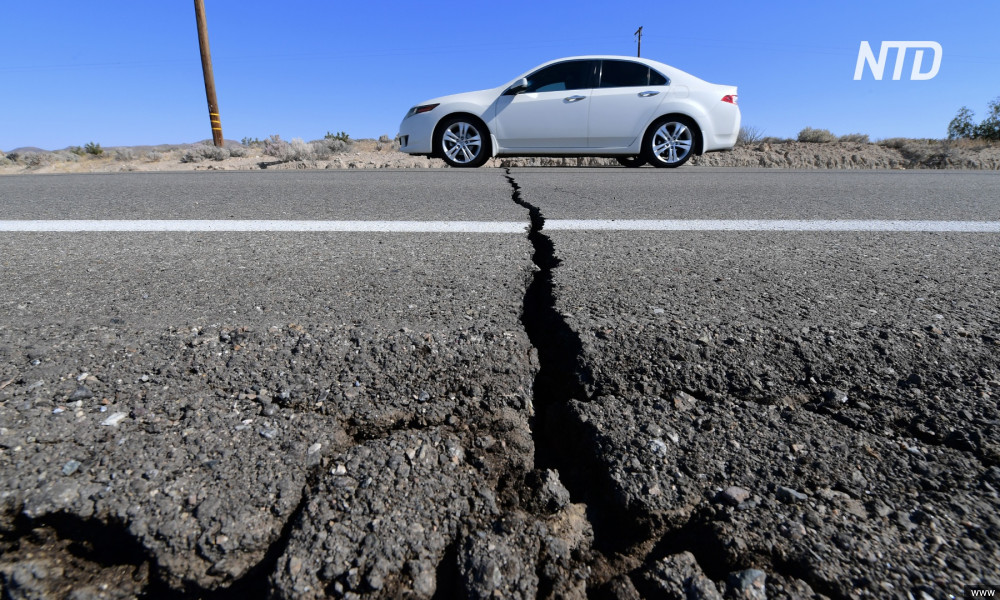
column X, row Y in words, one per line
column 519, row 86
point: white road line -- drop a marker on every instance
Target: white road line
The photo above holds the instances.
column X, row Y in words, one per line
column 773, row 225
column 71, row 226
column 152, row 226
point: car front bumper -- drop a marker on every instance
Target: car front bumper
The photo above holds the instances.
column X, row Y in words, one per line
column 416, row 133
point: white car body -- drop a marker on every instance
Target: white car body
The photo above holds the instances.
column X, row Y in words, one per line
column 592, row 121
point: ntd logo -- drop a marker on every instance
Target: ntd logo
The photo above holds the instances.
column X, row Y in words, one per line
column 877, row 67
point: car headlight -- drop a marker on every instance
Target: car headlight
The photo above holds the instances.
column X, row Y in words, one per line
column 416, row 110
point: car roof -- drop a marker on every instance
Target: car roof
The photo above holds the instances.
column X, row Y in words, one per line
column 666, row 69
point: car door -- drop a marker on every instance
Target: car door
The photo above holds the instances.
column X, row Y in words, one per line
column 627, row 95
column 552, row 112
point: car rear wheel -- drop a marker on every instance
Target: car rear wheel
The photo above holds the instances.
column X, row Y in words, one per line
column 463, row 142
column 669, row 142
column 631, row 161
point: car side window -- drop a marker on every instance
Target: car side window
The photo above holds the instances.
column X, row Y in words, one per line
column 571, row 75
column 624, row 73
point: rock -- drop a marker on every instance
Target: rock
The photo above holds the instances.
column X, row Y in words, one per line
column 114, row 419
column 552, row 493
column 747, row 585
column 789, row 495
column 81, row 393
column 835, row 396
column 684, row 401
column 733, row 495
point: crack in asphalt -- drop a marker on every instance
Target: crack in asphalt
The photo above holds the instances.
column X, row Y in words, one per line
column 624, row 543
column 621, row 540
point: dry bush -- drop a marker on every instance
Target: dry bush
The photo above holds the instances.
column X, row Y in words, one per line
column 855, row 138
column 896, row 143
column 124, row 155
column 204, row 152
column 749, row 135
column 816, row 136
column 64, row 156
column 386, row 144
column 32, row 159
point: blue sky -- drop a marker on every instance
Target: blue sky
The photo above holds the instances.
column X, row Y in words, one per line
column 120, row 72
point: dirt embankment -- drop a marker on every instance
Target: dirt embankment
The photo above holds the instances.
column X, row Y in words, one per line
column 369, row 154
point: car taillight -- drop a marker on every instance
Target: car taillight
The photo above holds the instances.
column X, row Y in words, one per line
column 730, row 98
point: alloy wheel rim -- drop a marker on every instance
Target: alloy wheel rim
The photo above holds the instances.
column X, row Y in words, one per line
column 462, row 142
column 672, row 142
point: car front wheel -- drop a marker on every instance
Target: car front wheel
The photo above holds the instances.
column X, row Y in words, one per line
column 669, row 142
column 463, row 142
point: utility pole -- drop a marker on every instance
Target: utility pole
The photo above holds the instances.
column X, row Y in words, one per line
column 206, row 67
column 638, row 36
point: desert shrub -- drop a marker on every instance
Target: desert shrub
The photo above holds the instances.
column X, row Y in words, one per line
column 204, row 152
column 749, row 135
column 896, row 143
column 856, row 138
column 284, row 151
column 277, row 147
column 77, row 150
column 93, row 149
column 33, row 159
column 327, row 147
column 64, row 156
column 385, row 143
column 153, row 156
column 340, row 135
column 252, row 142
column 816, row 136
column 302, row 150
column 4, row 161
column 298, row 149
column 319, row 149
column 775, row 140
column 237, row 151
column 124, row 154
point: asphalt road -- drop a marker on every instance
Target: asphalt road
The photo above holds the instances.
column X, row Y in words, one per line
column 571, row 412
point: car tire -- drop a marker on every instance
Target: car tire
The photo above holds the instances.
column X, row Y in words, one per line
column 463, row 142
column 669, row 142
column 632, row 162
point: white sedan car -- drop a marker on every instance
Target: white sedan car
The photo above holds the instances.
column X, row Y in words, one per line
column 636, row 110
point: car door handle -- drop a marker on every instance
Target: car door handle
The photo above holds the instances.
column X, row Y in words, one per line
column 647, row 94
column 574, row 98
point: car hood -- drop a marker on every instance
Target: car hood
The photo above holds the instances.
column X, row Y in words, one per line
column 480, row 98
